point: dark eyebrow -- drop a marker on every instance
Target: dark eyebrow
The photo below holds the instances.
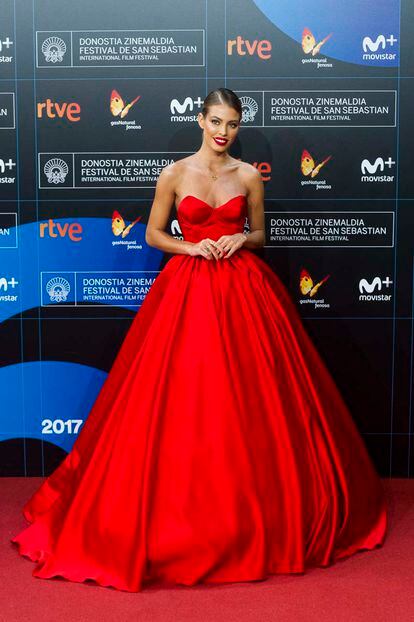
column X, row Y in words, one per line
column 214, row 116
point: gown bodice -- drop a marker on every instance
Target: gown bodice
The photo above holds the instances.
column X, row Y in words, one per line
column 198, row 220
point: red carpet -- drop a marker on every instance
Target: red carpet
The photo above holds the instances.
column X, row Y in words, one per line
column 371, row 585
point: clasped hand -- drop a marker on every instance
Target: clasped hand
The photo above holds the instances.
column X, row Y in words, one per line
column 222, row 248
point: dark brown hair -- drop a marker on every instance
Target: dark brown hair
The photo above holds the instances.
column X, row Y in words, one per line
column 222, row 96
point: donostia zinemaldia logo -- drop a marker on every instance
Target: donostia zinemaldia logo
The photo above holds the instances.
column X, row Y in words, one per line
column 249, row 108
column 58, row 289
column 54, row 49
column 56, row 170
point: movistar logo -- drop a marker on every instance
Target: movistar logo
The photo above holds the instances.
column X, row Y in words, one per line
column 380, row 42
column 188, row 104
column 367, row 288
column 378, row 49
column 369, row 170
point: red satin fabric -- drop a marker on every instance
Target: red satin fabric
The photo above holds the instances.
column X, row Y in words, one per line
column 219, row 448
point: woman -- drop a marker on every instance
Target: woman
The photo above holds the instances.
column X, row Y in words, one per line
column 219, row 448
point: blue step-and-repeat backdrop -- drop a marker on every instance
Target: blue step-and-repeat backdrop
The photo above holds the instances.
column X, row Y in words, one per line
column 96, row 98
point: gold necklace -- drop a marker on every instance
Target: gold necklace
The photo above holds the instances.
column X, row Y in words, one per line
column 213, row 175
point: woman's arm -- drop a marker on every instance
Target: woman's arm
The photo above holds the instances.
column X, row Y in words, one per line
column 160, row 212
column 255, row 207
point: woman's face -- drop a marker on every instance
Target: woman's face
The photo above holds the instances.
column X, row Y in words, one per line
column 221, row 126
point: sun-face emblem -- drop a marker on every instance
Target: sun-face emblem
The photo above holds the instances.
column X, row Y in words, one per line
column 58, row 289
column 53, row 49
column 56, row 170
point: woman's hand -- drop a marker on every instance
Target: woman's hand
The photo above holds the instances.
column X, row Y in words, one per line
column 207, row 247
column 230, row 243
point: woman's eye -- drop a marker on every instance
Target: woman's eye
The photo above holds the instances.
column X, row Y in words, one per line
column 215, row 121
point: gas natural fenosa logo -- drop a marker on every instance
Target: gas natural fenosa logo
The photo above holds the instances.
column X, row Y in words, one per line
column 312, row 48
column 308, row 165
column 307, row 285
column 121, row 230
column 308, row 288
column 119, row 108
column 311, row 169
column 309, row 45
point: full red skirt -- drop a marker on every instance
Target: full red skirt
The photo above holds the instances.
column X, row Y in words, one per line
column 219, row 448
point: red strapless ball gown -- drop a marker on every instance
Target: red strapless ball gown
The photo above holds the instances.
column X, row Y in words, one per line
column 218, row 449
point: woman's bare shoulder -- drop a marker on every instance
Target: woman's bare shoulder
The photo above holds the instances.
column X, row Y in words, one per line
column 172, row 175
column 249, row 174
column 177, row 168
column 247, row 169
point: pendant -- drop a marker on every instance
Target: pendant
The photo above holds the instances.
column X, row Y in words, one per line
column 214, row 177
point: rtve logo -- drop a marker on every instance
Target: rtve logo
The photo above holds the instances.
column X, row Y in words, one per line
column 51, row 229
column 243, row 47
column 71, row 111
